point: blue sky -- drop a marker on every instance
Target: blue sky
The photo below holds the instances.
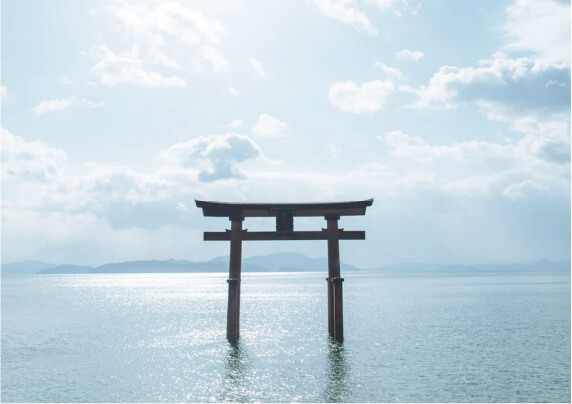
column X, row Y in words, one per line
column 453, row 115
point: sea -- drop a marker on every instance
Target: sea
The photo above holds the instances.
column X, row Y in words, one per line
column 410, row 336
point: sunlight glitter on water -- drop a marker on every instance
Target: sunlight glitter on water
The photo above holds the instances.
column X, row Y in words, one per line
column 161, row 338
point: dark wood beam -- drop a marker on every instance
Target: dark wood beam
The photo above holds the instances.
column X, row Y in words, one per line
column 242, row 210
column 271, row 235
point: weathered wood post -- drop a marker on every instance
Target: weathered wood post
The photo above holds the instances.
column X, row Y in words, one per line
column 233, row 313
column 338, row 310
column 335, row 311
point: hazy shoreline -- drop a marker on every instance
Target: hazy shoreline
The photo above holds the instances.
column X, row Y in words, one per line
column 279, row 262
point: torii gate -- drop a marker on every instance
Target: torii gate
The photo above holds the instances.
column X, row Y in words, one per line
column 285, row 213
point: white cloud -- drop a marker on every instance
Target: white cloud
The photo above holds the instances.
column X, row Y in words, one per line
column 170, row 18
column 521, row 189
column 551, row 83
column 397, row 138
column 117, row 195
column 406, row 54
column 367, row 98
column 3, row 94
column 542, row 27
column 25, row 160
column 520, row 81
column 61, row 237
column 415, row 147
column 39, row 181
column 232, row 91
column 126, row 198
column 215, row 156
column 114, row 69
column 484, row 174
column 545, row 147
column 237, row 123
column 547, row 140
column 158, row 54
column 63, row 104
column 392, row 71
column 348, row 11
column 269, row 126
column 537, row 81
column 171, row 35
column 387, row 4
column 397, row 6
column 67, row 81
column 218, row 61
column 257, row 66
column 343, row 11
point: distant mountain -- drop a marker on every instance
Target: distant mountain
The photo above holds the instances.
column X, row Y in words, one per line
column 278, row 262
column 539, row 265
column 545, row 264
column 25, row 267
column 150, row 266
column 66, row 269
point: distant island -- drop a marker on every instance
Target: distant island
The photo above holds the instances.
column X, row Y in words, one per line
column 278, row 262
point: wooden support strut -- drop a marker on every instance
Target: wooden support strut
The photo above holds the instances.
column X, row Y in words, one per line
column 234, row 272
column 338, row 310
column 296, row 235
column 335, row 311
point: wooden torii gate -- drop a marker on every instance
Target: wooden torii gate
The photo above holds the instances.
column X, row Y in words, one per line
column 285, row 213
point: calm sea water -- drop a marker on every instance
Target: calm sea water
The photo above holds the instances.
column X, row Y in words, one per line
column 413, row 337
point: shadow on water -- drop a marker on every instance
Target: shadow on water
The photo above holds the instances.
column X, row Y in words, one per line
column 338, row 372
column 234, row 379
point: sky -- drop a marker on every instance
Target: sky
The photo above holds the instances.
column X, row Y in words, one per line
column 453, row 115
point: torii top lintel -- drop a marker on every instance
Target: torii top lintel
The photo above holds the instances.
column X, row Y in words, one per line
column 236, row 210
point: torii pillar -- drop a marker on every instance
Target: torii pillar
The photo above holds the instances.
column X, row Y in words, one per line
column 234, row 277
column 335, row 300
column 284, row 214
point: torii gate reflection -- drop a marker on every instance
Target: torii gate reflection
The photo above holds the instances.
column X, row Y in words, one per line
column 285, row 213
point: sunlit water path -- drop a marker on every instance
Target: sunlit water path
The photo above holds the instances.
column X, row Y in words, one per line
column 456, row 336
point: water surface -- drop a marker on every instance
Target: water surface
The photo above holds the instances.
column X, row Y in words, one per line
column 409, row 337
